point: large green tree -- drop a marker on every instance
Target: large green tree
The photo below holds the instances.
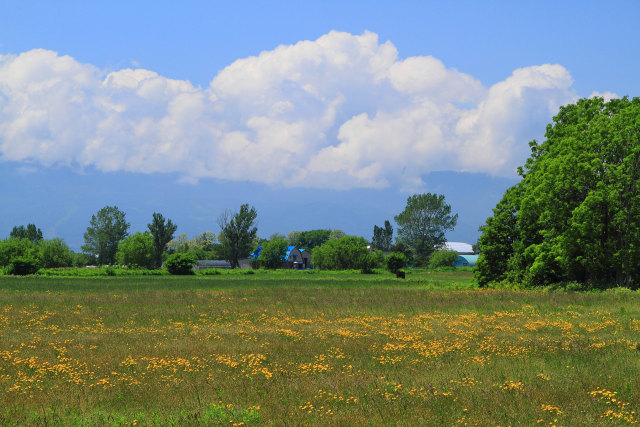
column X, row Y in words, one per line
column 423, row 223
column 106, row 229
column 575, row 214
column 238, row 232
column 162, row 231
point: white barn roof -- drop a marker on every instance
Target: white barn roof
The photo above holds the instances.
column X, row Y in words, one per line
column 460, row 247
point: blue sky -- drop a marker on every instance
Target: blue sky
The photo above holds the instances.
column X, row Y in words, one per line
column 322, row 115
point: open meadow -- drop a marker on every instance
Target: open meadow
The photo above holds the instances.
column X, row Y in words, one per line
column 314, row 348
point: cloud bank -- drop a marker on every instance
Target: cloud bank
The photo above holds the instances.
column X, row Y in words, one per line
column 343, row 111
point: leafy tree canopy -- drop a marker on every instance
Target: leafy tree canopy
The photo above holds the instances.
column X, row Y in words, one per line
column 30, row 232
column 312, row 238
column 382, row 237
column 238, row 232
column 162, row 232
column 423, row 223
column 106, row 229
column 273, row 253
column 575, row 214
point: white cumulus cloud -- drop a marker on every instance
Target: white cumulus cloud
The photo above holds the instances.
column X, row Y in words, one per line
column 342, row 111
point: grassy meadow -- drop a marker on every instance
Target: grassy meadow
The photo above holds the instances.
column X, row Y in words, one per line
column 314, row 348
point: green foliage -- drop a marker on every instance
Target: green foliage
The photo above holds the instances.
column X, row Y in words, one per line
column 311, row 239
column 273, row 254
column 106, row 229
column 137, row 250
column 443, row 258
column 181, row 264
column 99, row 272
column 23, row 265
column 81, row 260
column 379, row 259
column 382, row 237
column 55, row 253
column 368, row 262
column 238, row 233
column 30, row 232
column 16, row 247
column 162, row 233
column 396, row 261
column 348, row 252
column 423, row 223
column 575, row 215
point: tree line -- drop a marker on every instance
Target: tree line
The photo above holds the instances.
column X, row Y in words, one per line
column 107, row 241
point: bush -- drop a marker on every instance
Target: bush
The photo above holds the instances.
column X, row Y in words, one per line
column 346, row 253
column 137, row 251
column 55, row 253
column 15, row 247
column 181, row 264
column 273, row 254
column 396, row 261
column 367, row 263
column 23, row 265
column 443, row 258
column 82, row 260
column 378, row 256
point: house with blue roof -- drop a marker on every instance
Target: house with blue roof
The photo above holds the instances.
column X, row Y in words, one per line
column 294, row 258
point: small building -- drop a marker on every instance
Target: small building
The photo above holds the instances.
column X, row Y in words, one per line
column 206, row 264
column 460, row 247
column 466, row 260
column 297, row 258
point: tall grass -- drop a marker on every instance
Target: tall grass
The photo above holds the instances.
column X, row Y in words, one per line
column 346, row 349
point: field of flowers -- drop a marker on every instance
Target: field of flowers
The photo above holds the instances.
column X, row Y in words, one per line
column 295, row 349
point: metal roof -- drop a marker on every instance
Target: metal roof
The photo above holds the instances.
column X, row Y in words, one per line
column 460, row 247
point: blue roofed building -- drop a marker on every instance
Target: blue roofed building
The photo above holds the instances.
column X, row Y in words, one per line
column 466, row 260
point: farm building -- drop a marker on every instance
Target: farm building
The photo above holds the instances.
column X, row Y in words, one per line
column 466, row 260
column 295, row 258
column 460, row 247
column 205, row 264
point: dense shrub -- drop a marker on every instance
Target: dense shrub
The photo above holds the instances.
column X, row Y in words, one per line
column 15, row 247
column 379, row 259
column 82, row 260
column 180, row 263
column 396, row 261
column 137, row 250
column 55, row 253
column 348, row 252
column 23, row 265
column 368, row 262
column 443, row 258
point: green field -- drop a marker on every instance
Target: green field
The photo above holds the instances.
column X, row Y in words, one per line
column 314, row 348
